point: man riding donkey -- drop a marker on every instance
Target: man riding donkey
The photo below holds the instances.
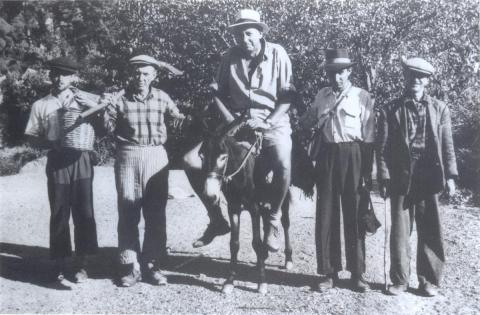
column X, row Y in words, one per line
column 255, row 79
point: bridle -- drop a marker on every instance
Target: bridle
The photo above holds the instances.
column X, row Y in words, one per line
column 227, row 178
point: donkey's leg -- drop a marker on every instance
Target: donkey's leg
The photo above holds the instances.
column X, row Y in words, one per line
column 260, row 250
column 234, row 247
column 286, row 228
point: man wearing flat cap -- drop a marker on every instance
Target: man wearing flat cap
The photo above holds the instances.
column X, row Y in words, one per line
column 135, row 116
column 343, row 119
column 255, row 78
column 415, row 162
column 69, row 167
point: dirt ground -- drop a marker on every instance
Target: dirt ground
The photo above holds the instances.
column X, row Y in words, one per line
column 195, row 275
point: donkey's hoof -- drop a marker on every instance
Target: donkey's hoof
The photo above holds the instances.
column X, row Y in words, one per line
column 262, row 288
column 227, row 288
column 289, row 265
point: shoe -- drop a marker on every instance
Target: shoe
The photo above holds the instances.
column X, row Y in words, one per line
column 427, row 289
column 273, row 237
column 155, row 277
column 327, row 282
column 397, row 289
column 359, row 284
column 80, row 276
column 130, row 279
column 213, row 230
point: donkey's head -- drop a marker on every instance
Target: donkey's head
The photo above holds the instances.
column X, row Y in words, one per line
column 222, row 154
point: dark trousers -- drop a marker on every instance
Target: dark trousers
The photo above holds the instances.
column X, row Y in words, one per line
column 70, row 176
column 338, row 176
column 422, row 207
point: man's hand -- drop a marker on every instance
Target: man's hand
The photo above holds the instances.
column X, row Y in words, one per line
column 450, row 187
column 257, row 124
column 384, row 188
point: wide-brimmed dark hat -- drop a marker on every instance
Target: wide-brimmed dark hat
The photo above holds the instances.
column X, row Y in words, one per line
column 419, row 65
column 337, row 59
column 63, row 64
column 248, row 17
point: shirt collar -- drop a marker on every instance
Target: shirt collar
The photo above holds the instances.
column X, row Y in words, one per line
column 133, row 97
column 425, row 100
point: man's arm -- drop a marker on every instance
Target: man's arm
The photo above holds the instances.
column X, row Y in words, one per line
column 448, row 151
column 40, row 143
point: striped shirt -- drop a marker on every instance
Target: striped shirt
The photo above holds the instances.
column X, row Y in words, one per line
column 262, row 87
column 352, row 120
column 139, row 122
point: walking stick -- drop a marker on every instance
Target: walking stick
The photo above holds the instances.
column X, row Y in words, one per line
column 385, row 244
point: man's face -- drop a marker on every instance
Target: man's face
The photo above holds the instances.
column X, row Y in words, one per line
column 143, row 76
column 339, row 78
column 249, row 39
column 61, row 80
column 415, row 82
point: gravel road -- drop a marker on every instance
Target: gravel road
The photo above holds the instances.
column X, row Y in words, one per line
column 195, row 275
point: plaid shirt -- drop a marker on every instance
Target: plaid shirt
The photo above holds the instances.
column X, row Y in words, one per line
column 139, row 122
column 416, row 115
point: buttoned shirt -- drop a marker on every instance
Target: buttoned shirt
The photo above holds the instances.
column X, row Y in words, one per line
column 257, row 89
column 44, row 117
column 352, row 120
column 139, row 122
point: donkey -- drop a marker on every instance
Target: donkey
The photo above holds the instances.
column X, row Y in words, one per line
column 229, row 159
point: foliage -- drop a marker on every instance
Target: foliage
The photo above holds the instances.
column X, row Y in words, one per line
column 192, row 35
column 13, row 159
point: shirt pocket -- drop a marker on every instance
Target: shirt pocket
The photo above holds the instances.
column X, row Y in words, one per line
column 351, row 117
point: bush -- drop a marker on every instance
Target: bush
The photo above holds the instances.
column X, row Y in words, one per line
column 13, row 159
column 192, row 35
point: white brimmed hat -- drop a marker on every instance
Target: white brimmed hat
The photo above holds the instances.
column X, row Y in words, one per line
column 248, row 17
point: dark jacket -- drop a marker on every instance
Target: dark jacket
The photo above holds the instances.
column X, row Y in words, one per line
column 392, row 146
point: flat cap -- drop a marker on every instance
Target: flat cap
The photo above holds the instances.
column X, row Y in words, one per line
column 150, row 61
column 144, row 60
column 420, row 65
column 65, row 64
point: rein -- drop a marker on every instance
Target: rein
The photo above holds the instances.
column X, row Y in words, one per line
column 228, row 178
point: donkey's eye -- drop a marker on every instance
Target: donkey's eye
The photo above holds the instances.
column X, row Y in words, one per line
column 223, row 157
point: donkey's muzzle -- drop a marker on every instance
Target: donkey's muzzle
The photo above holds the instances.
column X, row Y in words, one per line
column 212, row 189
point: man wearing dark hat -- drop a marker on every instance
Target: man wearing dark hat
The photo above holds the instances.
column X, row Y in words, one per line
column 135, row 116
column 255, row 78
column 415, row 162
column 69, row 167
column 344, row 121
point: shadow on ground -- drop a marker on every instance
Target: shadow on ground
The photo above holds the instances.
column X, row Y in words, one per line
column 31, row 264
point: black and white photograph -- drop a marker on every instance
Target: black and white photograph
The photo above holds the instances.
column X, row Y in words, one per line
column 239, row 157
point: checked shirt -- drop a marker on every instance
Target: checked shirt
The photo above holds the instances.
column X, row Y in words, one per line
column 139, row 122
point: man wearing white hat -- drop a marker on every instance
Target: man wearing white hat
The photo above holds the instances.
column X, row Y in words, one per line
column 415, row 162
column 255, row 77
column 135, row 116
column 345, row 125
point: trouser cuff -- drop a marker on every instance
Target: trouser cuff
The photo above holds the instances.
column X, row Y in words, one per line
column 128, row 256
